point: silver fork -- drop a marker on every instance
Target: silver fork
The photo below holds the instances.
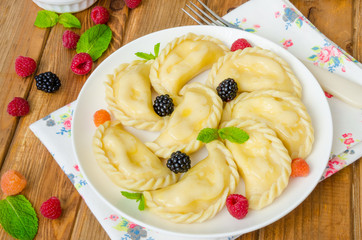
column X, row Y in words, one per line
column 214, row 18
column 346, row 90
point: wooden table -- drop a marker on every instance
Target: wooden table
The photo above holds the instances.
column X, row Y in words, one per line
column 332, row 211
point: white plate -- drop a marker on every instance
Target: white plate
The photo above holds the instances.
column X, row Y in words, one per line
column 92, row 96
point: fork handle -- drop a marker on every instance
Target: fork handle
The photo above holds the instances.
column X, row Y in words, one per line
column 340, row 87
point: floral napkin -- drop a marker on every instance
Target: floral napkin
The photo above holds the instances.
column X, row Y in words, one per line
column 276, row 20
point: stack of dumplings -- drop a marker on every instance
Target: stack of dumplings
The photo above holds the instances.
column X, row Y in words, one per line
column 268, row 108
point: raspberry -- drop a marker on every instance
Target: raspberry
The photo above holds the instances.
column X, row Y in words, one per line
column 12, row 182
column 132, row 3
column 81, row 63
column 179, row 162
column 163, row 105
column 24, row 66
column 300, row 168
column 18, row 107
column 241, row 43
column 101, row 116
column 51, row 208
column 70, row 39
column 237, row 205
column 100, row 15
column 227, row 89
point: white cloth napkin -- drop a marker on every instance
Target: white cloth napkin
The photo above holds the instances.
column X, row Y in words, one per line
column 276, row 20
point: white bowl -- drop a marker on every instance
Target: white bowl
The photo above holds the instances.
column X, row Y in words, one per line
column 62, row 6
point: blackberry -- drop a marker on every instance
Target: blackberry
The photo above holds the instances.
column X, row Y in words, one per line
column 47, row 82
column 227, row 89
column 179, row 162
column 163, row 105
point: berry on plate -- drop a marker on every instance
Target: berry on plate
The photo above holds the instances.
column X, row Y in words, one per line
column 132, row 3
column 18, row 107
column 300, row 168
column 179, row 162
column 163, row 105
column 241, row 43
column 51, row 208
column 12, row 182
column 237, row 205
column 101, row 116
column 227, row 89
column 81, row 63
column 47, row 82
column 70, row 39
column 100, row 15
column 24, row 66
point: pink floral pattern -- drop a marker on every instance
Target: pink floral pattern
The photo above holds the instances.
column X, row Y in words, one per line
column 348, row 139
column 287, row 43
column 329, row 56
column 334, row 165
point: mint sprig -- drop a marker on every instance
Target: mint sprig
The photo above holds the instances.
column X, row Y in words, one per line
column 18, row 217
column 95, row 41
column 69, row 21
column 136, row 196
column 45, row 19
column 207, row 135
column 149, row 56
column 233, row 134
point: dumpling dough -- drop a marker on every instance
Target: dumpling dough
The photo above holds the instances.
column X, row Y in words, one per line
column 128, row 94
column 201, row 192
column 282, row 112
column 127, row 161
column 200, row 107
column 255, row 69
column 182, row 59
column 263, row 162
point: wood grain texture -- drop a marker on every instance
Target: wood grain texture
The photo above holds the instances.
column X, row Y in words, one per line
column 332, row 210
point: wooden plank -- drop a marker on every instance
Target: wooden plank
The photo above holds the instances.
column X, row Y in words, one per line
column 23, row 40
column 87, row 226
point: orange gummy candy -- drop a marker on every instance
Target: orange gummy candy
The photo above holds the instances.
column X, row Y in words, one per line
column 300, row 168
column 101, row 116
column 12, row 182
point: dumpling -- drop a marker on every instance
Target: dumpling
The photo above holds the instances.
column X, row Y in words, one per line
column 255, row 69
column 182, row 59
column 201, row 192
column 282, row 112
column 263, row 162
column 127, row 161
column 200, row 107
column 128, row 95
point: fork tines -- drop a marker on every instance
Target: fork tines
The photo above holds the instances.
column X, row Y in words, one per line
column 210, row 18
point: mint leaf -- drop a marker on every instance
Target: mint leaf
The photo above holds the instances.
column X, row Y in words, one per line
column 131, row 195
column 136, row 196
column 45, row 19
column 233, row 134
column 149, row 56
column 95, row 41
column 145, row 55
column 142, row 204
column 157, row 49
column 18, row 217
column 68, row 20
column 207, row 135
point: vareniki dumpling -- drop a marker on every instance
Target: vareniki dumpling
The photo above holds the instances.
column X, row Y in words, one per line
column 182, row 59
column 263, row 162
column 282, row 112
column 128, row 94
column 255, row 69
column 201, row 192
column 127, row 161
column 200, row 107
